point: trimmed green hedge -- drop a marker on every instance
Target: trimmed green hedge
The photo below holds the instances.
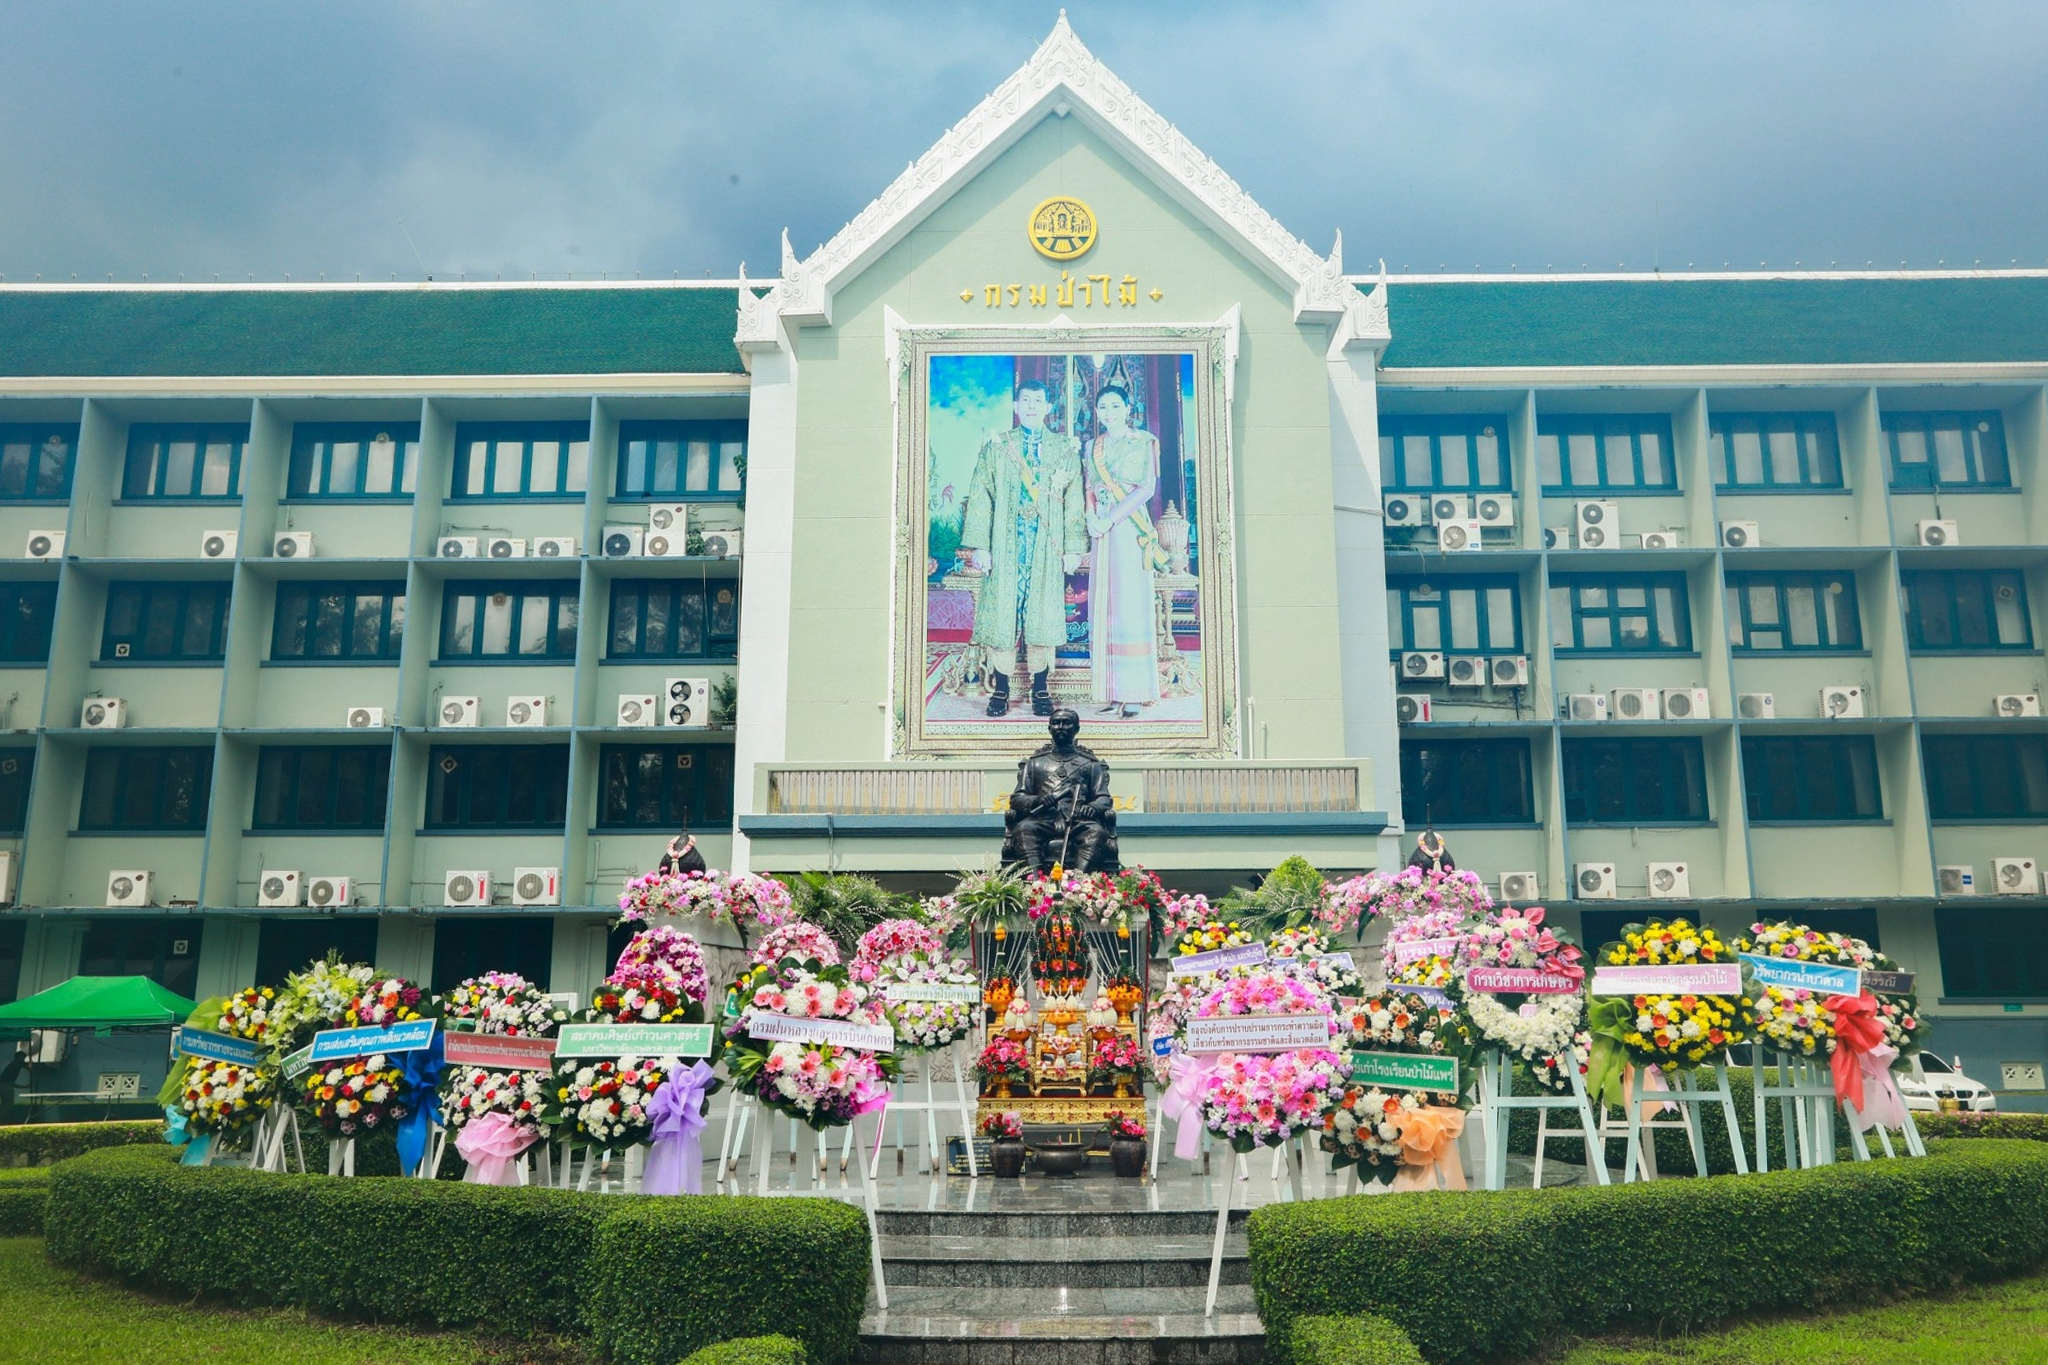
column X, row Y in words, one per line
column 1490, row 1274
column 41, row 1144
column 2028, row 1127
column 435, row 1253
column 750, row 1351
column 22, row 1195
column 1361, row 1340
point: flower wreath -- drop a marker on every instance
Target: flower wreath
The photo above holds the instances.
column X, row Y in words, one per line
column 1210, row 935
column 1436, row 969
column 923, row 1025
column 823, row 1084
column 799, row 939
column 1376, row 1130
column 1307, row 950
column 1348, row 904
column 505, row 1004
column 893, row 938
column 224, row 1097
column 740, row 898
column 1674, row 1032
column 1261, row 1100
column 365, row 1093
column 666, row 955
column 660, row 979
column 1535, row 1029
column 1796, row 1021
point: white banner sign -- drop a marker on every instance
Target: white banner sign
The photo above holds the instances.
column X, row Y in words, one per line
column 1216, row 959
column 964, row 994
column 1258, row 1033
column 1523, row 980
column 1699, row 978
column 1420, row 948
column 788, row 1028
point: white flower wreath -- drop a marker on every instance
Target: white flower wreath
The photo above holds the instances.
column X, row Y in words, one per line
column 1542, row 1032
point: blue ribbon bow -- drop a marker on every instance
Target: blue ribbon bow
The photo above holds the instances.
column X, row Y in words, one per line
column 420, row 1074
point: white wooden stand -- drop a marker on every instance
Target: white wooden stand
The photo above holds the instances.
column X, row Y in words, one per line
column 1911, row 1134
column 1689, row 1096
column 929, row 1106
column 764, row 1153
column 1229, row 1195
column 1804, row 1088
column 268, row 1152
column 1497, row 1094
column 341, row 1157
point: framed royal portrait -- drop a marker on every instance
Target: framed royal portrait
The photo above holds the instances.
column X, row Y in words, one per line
column 1063, row 540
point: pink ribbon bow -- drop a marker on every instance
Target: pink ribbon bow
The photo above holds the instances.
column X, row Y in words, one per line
column 1183, row 1101
column 490, row 1143
column 1862, row 1063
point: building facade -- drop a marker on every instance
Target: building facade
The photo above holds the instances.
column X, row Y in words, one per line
column 340, row 611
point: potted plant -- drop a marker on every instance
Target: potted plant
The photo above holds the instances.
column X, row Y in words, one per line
column 1005, row 1133
column 1126, row 1145
column 1114, row 1062
column 1003, row 1063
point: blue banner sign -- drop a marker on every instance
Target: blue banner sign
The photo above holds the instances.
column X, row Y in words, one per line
column 335, row 1044
column 218, row 1047
column 1789, row 974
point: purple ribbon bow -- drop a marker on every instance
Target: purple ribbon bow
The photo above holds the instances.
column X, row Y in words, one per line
column 675, row 1160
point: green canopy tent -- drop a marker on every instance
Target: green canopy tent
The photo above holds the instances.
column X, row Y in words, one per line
column 98, row 1003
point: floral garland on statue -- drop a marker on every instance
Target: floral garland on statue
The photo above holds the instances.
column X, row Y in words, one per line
column 1308, row 951
column 1536, row 1029
column 223, row 1097
column 797, row 939
column 366, row 1093
column 1090, row 897
column 1258, row 1100
column 659, row 979
column 502, row 1004
column 1379, row 1130
column 738, row 898
column 1057, row 962
column 823, row 1084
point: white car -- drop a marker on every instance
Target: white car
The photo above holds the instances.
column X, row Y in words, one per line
column 1929, row 1080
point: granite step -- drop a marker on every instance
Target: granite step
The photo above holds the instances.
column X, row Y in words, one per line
column 1107, row 1262
column 1010, row 1224
column 1062, row 1326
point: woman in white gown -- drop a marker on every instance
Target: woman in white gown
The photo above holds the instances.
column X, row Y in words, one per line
column 1122, row 472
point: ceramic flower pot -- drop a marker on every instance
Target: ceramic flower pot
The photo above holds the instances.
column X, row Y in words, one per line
column 1127, row 1157
column 1006, row 1158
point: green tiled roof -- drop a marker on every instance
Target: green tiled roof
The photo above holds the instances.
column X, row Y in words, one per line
column 1718, row 322
column 115, row 332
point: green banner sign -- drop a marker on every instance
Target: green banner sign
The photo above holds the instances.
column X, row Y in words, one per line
column 634, row 1040
column 1405, row 1071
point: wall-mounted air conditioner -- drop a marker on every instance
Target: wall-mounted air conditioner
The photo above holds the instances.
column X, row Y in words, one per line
column 1404, row 509
column 555, row 547
column 44, row 545
column 1841, row 703
column 103, row 713
column 536, row 886
column 6, row 877
column 292, row 545
column 1465, row 671
column 1493, row 509
column 1453, row 537
column 722, row 544
column 1660, row 540
column 1593, row 881
column 669, row 516
column 1739, row 535
column 637, row 709
column 526, row 712
column 505, row 547
column 127, row 889
column 1684, row 703
column 1669, row 881
column 1520, row 886
column 1634, row 703
column 1584, row 706
column 466, row 888
column 1757, row 705
column 1508, row 670
column 1956, row 879
column 1552, row 537
column 1597, row 525
column 277, row 888
column 687, row 703
column 2016, row 705
column 456, row 547
column 1411, row 709
column 327, row 893
column 365, row 718
column 2015, row 877
column 1417, row 665
column 459, row 713
column 623, row 542
column 666, row 544
column 219, row 544
column 1936, row 533
column 1445, row 507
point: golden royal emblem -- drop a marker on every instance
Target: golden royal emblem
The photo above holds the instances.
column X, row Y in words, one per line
column 1062, row 228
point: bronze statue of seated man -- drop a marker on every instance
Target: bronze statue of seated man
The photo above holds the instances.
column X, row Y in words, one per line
column 1061, row 812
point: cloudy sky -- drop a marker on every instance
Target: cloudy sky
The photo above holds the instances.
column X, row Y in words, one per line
column 523, row 137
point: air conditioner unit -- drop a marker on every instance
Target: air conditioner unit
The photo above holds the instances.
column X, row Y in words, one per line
column 637, row 709
column 1634, row 703
column 218, row 544
column 1508, row 670
column 666, row 544
column 1597, row 525
column 1936, row 533
column 277, row 888
column 688, row 703
column 1404, row 509
column 47, row 1046
column 1420, row 664
column 1685, row 703
column 1669, row 881
column 103, row 713
column 1465, row 671
column 2014, row 705
column 1585, row 706
column 365, row 718
column 536, row 886
column 127, row 888
column 505, row 547
column 555, row 547
column 669, row 516
column 1593, row 881
column 1445, row 507
column 1550, row 537
column 1757, row 705
column 1452, row 536
column 293, row 545
column 7, row 878
column 1841, row 703
column 623, row 542
column 44, row 545
column 456, row 547
column 459, row 713
column 1660, row 540
column 523, row 712
column 1493, row 509
column 466, row 888
column 1411, row 709
column 1520, row 886
column 2015, row 877
column 326, row 893
column 722, row 544
column 1739, row 535
column 1956, row 879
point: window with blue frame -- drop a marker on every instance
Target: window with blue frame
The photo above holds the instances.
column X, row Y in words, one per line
column 522, row 620
column 1966, row 611
column 1775, row 613
column 1986, row 777
column 1619, row 613
column 27, row 611
column 664, row 786
column 1991, row 954
column 185, row 462
column 1425, row 454
column 284, row 946
column 13, row 940
column 1455, row 615
column 166, row 621
column 1946, row 450
column 498, row 787
column 1453, row 782
column 17, row 766
column 333, row 621
column 1605, row 453
column 36, row 461
column 682, row 460
column 354, row 460
column 1635, row 781
column 1771, row 450
column 140, row 790
column 323, row 787
column 665, row 618
column 1822, row 779
column 467, row 946
column 496, row 460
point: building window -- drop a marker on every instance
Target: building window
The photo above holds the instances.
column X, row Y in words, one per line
column 1775, row 612
column 664, row 786
column 467, row 946
column 1991, row 954
column 185, row 462
column 521, row 459
column 13, row 938
column 26, row 613
column 1986, row 777
column 1466, row 782
column 16, row 767
column 1774, row 450
column 513, row 787
column 1967, row 610
column 1635, row 782
column 1619, row 613
column 338, row 621
column 166, row 621
column 682, row 459
column 1596, row 453
column 338, row 787
column 1425, row 454
column 509, row 621
column 284, row 946
column 165, row 951
column 35, row 462
column 663, row 618
column 1946, row 450
column 139, row 790
column 354, row 460
column 1826, row 780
